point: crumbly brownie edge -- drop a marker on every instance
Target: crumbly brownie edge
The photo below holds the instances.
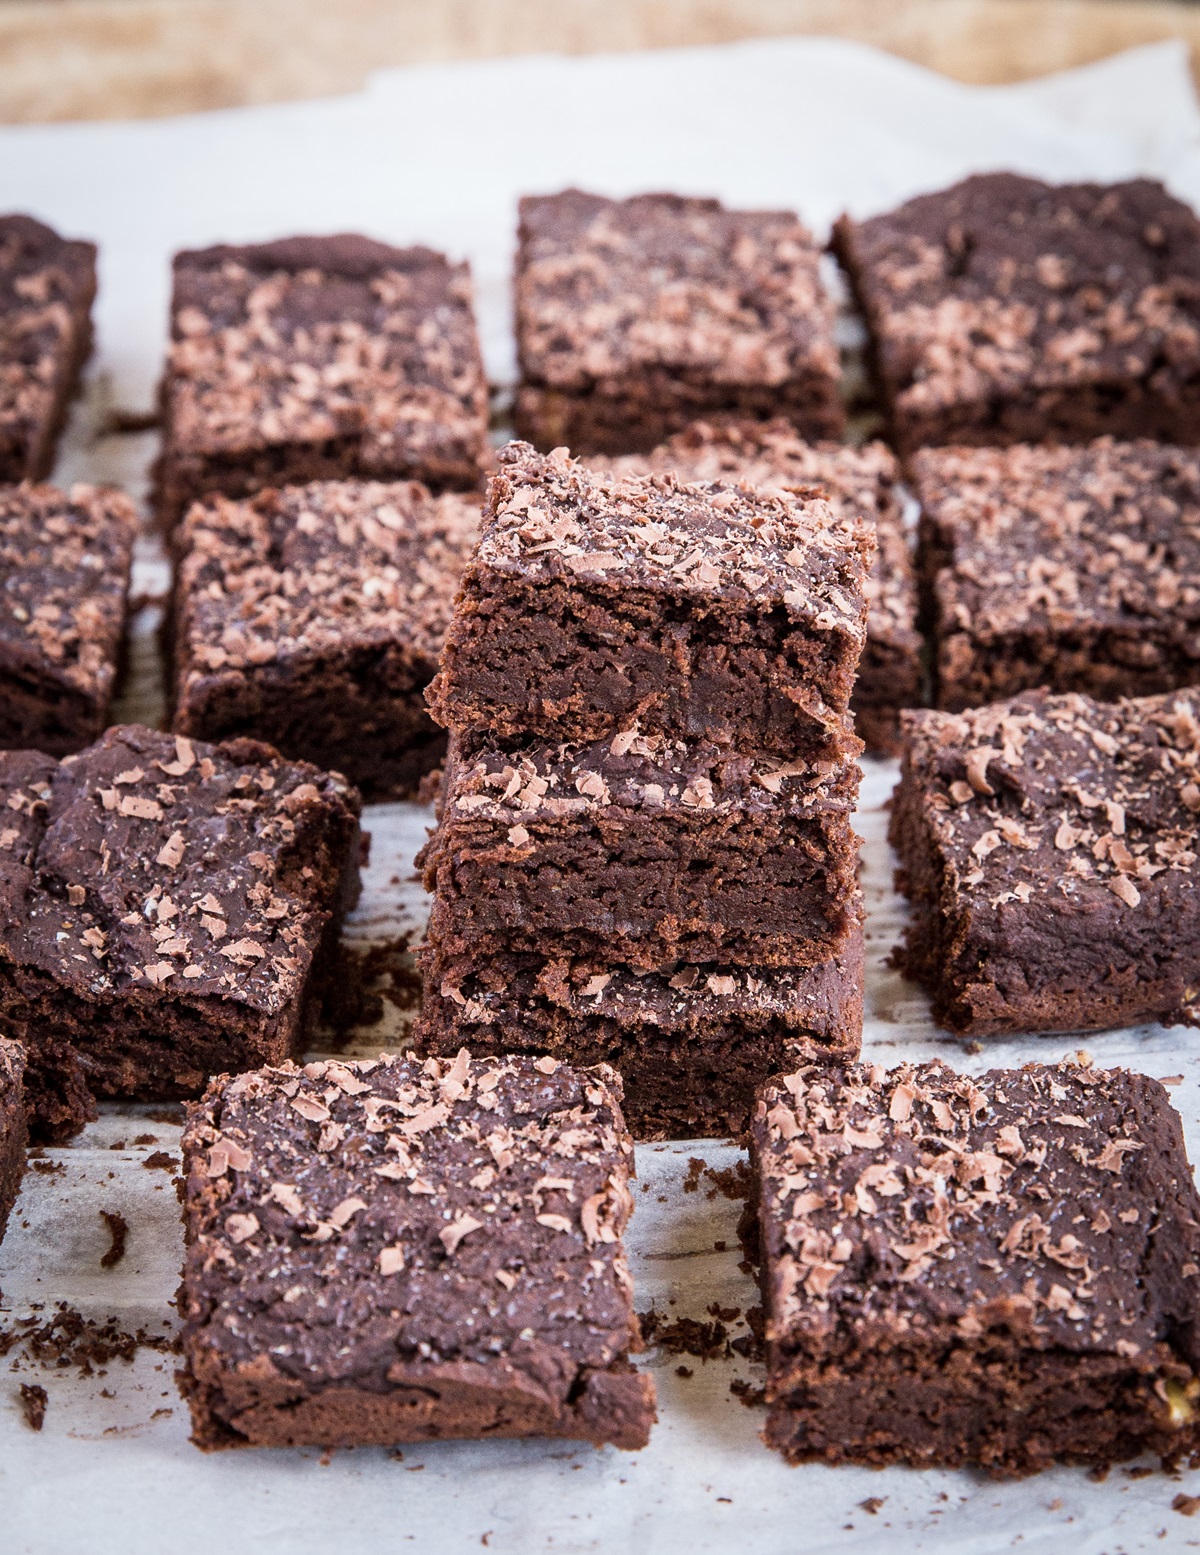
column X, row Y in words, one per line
column 13, row 1132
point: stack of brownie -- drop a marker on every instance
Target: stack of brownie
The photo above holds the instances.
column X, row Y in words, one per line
column 645, row 853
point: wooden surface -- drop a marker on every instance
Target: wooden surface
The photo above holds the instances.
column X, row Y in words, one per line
column 73, row 59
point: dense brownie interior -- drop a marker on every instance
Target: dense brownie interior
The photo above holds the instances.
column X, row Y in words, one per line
column 13, row 1133
column 393, row 1251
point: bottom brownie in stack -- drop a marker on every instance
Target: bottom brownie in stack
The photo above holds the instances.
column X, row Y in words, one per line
column 688, row 915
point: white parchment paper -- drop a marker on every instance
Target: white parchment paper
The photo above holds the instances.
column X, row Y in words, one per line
column 439, row 155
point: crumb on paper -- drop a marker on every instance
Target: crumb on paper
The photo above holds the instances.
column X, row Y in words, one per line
column 118, row 1229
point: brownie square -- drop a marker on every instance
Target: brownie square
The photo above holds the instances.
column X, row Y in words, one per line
column 637, row 316
column 13, row 1135
column 864, row 481
column 1049, row 845
column 999, row 1271
column 597, row 604
column 168, row 910
column 645, row 851
column 692, row 1046
column 47, row 284
column 313, row 617
column 64, row 597
column 1006, row 310
column 390, row 1251
column 319, row 358
column 1072, row 568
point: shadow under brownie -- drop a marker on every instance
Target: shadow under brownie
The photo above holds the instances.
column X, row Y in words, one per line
column 862, row 481
column 390, row 1251
column 65, row 561
column 1007, row 310
column 596, row 604
column 998, row 1272
column 314, row 617
column 318, row 358
column 1077, row 569
column 47, row 285
column 1049, row 845
column 169, row 910
column 692, row 1045
column 634, row 317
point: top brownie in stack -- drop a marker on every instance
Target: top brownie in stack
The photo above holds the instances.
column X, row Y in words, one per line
column 1072, row 568
column 596, row 604
column 1007, row 310
column 313, row 617
column 771, row 455
column 47, row 284
column 318, row 358
column 637, row 316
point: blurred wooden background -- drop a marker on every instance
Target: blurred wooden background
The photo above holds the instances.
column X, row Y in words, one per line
column 75, row 59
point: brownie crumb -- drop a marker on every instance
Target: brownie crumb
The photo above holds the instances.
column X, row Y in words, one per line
column 684, row 1371
column 1187, row 1505
column 48, row 1168
column 33, row 1402
column 695, row 1171
column 68, row 1339
column 146, row 1139
column 118, row 1229
column 161, row 1161
column 734, row 1182
column 749, row 1395
column 363, row 981
column 872, row 1504
column 684, row 1336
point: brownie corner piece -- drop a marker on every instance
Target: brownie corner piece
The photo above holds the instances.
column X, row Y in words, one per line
column 601, row 602
column 1049, row 846
column 1008, row 310
column 394, row 1251
column 64, row 573
column 13, row 1129
column 1075, row 568
column 47, row 285
column 313, row 617
column 637, row 316
column 316, row 358
column 996, row 1271
column 169, row 910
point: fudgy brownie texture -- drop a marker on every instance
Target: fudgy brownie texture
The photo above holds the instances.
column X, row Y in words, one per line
column 645, row 851
column 313, row 617
column 319, row 358
column 13, row 1135
column 864, row 481
column 64, row 597
column 47, row 284
column 58, row 1099
column 1049, row 845
column 998, row 1271
column 167, row 910
column 1006, row 310
column 1072, row 568
column 389, row 1251
column 598, row 603
column 692, row 1046
column 637, row 316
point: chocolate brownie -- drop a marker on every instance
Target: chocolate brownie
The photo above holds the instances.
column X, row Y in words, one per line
column 64, row 596
column 1049, row 845
column 999, row 1272
column 692, row 1046
column 13, row 1134
column 865, row 481
column 1072, row 568
column 389, row 1251
column 637, row 316
column 313, row 617
column 316, row 358
column 1006, row 310
column 597, row 604
column 645, row 851
column 47, row 284
column 168, row 910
